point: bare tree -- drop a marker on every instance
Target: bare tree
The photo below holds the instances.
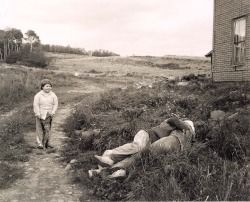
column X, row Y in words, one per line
column 31, row 37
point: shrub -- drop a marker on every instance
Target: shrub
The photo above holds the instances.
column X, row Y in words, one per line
column 31, row 59
column 13, row 87
column 93, row 71
column 189, row 77
column 35, row 59
column 103, row 53
column 13, row 58
column 105, row 104
column 79, row 120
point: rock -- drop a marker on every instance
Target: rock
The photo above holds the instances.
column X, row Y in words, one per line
column 43, row 169
column 88, row 137
column 68, row 167
column 199, row 123
column 57, row 155
column 91, row 192
column 233, row 115
column 182, row 83
column 248, row 96
column 217, row 115
column 96, row 132
column 78, row 132
column 171, row 78
column 73, row 161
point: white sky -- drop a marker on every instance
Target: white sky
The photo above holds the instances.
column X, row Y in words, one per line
column 126, row 27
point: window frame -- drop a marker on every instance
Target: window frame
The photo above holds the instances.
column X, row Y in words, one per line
column 234, row 62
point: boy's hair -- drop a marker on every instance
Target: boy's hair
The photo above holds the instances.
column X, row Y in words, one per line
column 44, row 82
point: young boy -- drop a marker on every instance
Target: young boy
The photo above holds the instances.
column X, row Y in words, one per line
column 45, row 106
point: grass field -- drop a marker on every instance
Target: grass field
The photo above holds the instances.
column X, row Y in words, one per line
column 121, row 95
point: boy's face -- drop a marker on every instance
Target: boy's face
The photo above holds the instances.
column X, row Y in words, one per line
column 47, row 88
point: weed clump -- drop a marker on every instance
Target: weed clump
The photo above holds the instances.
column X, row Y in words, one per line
column 229, row 139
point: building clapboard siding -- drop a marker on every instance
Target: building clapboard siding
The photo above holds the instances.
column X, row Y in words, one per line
column 231, row 40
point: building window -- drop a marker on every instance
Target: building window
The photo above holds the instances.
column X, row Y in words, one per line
column 239, row 41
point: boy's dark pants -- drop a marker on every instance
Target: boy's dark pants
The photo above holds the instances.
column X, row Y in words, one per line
column 43, row 128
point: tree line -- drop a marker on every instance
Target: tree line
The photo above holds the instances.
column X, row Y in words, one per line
column 63, row 49
column 13, row 40
column 82, row 51
column 102, row 53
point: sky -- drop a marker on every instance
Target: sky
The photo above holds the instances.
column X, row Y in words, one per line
column 125, row 27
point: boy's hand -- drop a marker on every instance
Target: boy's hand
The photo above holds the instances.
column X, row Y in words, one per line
column 50, row 114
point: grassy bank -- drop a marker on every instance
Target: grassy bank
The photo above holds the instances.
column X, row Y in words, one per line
column 216, row 167
column 13, row 148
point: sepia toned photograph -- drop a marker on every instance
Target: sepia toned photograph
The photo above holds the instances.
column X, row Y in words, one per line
column 124, row 100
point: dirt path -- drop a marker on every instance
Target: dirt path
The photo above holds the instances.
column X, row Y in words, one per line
column 46, row 178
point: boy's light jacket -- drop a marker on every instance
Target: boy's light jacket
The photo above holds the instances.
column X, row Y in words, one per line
column 44, row 103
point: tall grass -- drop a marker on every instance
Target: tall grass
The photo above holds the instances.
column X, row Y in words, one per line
column 15, row 85
column 20, row 84
column 216, row 167
column 13, row 147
